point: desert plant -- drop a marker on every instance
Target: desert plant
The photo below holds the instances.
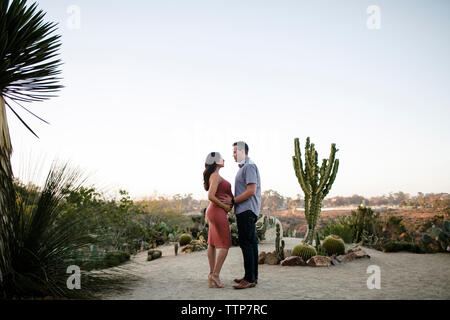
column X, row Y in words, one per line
column 28, row 66
column 395, row 246
column 114, row 258
column 315, row 182
column 341, row 226
column 194, row 245
column 317, row 241
column 279, row 244
column 27, row 74
column 333, row 244
column 322, row 252
column 365, row 219
column 261, row 228
column 185, row 239
column 153, row 254
column 39, row 246
column 304, row 250
column 351, row 228
column 234, row 234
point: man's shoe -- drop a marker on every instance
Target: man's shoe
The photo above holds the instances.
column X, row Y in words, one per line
column 244, row 284
column 239, row 280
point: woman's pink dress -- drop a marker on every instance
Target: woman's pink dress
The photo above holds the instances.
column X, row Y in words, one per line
column 219, row 230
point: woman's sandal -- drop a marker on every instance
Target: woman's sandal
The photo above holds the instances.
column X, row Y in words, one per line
column 217, row 283
column 210, row 281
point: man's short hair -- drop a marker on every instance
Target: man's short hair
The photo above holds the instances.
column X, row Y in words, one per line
column 241, row 145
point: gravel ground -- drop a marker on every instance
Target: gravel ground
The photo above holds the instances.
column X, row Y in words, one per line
column 403, row 276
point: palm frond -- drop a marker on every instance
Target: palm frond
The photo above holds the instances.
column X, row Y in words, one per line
column 29, row 66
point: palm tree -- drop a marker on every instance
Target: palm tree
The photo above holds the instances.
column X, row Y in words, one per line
column 28, row 64
column 28, row 70
column 27, row 73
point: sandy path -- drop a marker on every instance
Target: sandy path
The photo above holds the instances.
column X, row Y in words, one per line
column 403, row 276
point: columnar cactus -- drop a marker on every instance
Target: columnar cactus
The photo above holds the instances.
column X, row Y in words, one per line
column 315, row 182
column 279, row 245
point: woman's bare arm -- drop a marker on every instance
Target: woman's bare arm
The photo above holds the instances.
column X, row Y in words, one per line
column 213, row 185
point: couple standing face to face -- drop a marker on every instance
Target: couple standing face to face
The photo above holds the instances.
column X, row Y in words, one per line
column 239, row 155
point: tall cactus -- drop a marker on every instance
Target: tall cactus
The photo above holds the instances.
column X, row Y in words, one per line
column 279, row 245
column 315, row 182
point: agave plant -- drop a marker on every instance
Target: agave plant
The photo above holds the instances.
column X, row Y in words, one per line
column 40, row 244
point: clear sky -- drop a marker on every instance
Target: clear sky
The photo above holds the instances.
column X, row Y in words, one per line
column 151, row 87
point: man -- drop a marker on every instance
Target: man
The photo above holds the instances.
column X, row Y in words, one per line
column 247, row 203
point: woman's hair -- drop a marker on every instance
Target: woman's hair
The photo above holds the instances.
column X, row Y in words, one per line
column 210, row 167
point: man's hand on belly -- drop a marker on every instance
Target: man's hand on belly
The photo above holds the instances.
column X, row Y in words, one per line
column 226, row 199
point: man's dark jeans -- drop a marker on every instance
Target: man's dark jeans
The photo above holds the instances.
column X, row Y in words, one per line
column 247, row 241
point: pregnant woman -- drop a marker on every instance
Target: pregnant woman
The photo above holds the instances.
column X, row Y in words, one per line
column 219, row 231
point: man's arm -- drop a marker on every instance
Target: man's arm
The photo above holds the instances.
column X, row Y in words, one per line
column 247, row 194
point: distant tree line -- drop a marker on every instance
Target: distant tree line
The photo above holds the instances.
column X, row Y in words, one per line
column 273, row 201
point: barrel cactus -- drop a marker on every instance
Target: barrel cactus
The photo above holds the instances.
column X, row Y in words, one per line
column 334, row 245
column 185, row 239
column 304, row 250
column 153, row 254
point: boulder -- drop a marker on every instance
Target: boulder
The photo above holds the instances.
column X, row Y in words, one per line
column 360, row 253
column 319, row 261
column 261, row 257
column 334, row 260
column 448, row 248
column 293, row 261
column 343, row 258
column 271, row 258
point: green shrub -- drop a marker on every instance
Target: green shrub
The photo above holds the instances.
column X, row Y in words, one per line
column 351, row 228
column 115, row 258
column 341, row 227
column 395, row 246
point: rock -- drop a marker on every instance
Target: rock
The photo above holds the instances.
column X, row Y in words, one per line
column 319, row 261
column 448, row 248
column 334, row 261
column 271, row 258
column 351, row 256
column 293, row 261
column 346, row 257
column 261, row 257
column 359, row 253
